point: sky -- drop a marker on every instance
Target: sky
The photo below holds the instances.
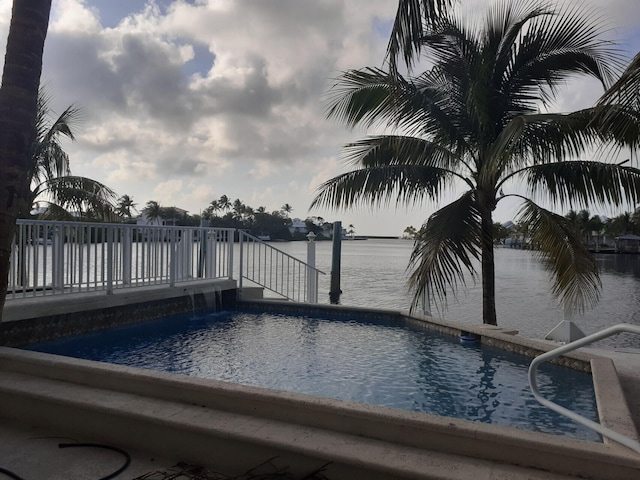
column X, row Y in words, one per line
column 184, row 101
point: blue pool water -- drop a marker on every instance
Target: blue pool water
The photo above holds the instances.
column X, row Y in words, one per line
column 365, row 361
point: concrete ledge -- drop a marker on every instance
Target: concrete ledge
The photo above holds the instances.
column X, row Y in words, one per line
column 612, row 407
column 17, row 309
column 202, row 421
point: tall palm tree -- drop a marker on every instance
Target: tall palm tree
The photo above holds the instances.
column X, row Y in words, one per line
column 18, row 107
column 473, row 119
column 52, row 183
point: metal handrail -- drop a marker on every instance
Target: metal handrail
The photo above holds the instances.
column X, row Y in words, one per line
column 277, row 271
column 602, row 430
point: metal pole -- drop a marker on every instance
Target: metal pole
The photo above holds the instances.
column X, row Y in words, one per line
column 334, row 290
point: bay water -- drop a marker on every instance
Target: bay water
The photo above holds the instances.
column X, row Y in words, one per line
column 374, row 274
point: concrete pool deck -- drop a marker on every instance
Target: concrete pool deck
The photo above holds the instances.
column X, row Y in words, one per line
column 233, row 428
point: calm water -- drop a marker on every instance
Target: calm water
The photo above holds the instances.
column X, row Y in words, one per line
column 374, row 275
column 376, row 363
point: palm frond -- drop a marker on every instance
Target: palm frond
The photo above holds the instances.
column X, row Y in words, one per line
column 378, row 185
column 400, row 150
column 412, row 20
column 584, row 182
column 576, row 282
column 56, row 212
column 552, row 48
column 80, row 194
column 445, row 248
column 360, row 96
column 625, row 91
column 48, row 158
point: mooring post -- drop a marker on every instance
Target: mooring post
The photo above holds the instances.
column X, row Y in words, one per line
column 334, row 290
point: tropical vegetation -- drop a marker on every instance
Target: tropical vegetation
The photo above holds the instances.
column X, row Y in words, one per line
column 225, row 213
column 54, row 191
column 478, row 118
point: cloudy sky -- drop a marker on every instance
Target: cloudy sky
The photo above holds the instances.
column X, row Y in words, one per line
column 187, row 100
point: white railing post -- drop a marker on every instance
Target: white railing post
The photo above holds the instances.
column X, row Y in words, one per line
column 231, row 234
column 127, row 244
column 312, row 275
column 110, row 239
column 210, row 264
column 58, row 256
column 240, row 239
column 172, row 257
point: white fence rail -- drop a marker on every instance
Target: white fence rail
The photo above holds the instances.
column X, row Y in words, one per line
column 277, row 271
column 50, row 258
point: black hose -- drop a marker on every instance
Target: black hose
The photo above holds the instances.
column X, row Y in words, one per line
column 107, row 447
column 10, row 474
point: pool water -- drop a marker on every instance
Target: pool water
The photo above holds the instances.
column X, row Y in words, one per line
column 373, row 362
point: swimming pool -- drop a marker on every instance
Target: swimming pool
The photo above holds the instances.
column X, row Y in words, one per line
column 376, row 362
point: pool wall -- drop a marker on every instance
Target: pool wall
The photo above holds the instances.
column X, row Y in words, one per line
column 39, row 319
column 232, row 426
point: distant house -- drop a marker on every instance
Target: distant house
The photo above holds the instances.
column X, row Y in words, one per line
column 628, row 244
column 298, row 226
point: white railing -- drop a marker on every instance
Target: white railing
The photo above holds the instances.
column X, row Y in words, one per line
column 602, row 430
column 49, row 258
column 277, row 271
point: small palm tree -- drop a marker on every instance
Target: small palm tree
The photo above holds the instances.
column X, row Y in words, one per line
column 473, row 119
column 124, row 206
column 153, row 211
column 50, row 178
column 224, row 203
column 286, row 209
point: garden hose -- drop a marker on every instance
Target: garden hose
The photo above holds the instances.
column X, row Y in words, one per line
column 90, row 445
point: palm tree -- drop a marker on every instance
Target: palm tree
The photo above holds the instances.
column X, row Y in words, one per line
column 224, row 203
column 474, row 119
column 153, row 211
column 286, row 209
column 124, row 206
column 18, row 107
column 49, row 174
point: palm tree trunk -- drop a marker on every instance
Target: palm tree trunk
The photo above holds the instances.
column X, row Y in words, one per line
column 488, row 269
column 18, row 104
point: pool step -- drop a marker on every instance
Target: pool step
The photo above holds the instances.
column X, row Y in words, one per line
column 233, row 428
